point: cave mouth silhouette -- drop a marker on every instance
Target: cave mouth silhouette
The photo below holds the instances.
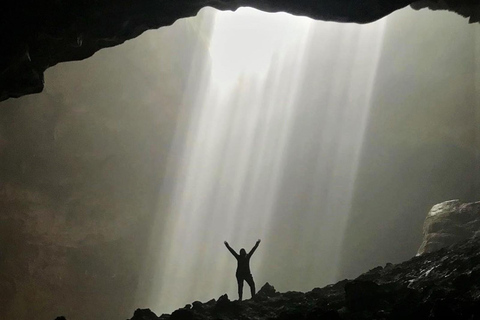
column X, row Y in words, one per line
column 52, row 32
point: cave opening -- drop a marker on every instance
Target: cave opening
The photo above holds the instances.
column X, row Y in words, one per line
column 123, row 179
column 264, row 152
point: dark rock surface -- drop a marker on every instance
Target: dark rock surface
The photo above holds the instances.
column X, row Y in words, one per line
column 469, row 9
column 441, row 285
column 448, row 223
column 36, row 35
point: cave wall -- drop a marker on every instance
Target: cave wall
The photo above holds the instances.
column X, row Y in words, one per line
column 81, row 166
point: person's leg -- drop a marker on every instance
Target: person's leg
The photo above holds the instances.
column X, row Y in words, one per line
column 251, row 283
column 240, row 288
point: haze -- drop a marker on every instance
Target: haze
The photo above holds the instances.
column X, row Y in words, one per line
column 330, row 142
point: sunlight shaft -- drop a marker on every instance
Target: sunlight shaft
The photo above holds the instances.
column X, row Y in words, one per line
column 264, row 153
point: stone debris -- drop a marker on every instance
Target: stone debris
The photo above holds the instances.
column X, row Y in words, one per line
column 444, row 284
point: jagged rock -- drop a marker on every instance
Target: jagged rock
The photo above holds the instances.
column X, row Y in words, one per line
column 197, row 305
column 223, row 303
column 144, row 314
column 36, row 35
column 267, row 291
column 182, row 314
column 471, row 11
column 323, row 314
column 448, row 223
column 444, row 284
column 360, row 294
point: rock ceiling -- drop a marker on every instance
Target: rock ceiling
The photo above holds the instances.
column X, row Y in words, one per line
column 36, row 35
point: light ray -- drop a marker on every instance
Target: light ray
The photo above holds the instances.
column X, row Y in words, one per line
column 263, row 146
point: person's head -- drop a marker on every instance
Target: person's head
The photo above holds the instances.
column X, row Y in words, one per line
column 243, row 252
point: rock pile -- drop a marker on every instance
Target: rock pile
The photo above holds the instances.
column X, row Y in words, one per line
column 444, row 284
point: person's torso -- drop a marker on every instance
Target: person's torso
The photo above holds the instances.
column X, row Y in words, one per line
column 243, row 267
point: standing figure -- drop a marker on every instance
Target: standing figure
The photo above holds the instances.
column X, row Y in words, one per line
column 243, row 268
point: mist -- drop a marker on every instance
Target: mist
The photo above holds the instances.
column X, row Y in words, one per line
column 329, row 142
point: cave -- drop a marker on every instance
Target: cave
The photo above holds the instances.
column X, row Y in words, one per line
column 81, row 177
column 40, row 34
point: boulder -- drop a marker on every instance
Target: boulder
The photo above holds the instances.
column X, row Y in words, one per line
column 448, row 223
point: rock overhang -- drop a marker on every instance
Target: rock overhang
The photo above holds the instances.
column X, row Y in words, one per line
column 39, row 34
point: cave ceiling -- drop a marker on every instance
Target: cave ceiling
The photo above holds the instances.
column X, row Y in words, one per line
column 38, row 34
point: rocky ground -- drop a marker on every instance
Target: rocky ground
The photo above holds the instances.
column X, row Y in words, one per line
column 440, row 285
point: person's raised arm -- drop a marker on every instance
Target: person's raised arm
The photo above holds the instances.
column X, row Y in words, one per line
column 254, row 248
column 230, row 249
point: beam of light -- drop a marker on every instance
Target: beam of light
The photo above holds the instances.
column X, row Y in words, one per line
column 246, row 40
column 330, row 116
column 364, row 70
column 269, row 150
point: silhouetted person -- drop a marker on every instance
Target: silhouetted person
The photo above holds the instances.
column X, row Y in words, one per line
column 243, row 268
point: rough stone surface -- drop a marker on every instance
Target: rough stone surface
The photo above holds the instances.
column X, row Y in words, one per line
column 467, row 9
column 441, row 285
column 448, row 223
column 36, row 35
